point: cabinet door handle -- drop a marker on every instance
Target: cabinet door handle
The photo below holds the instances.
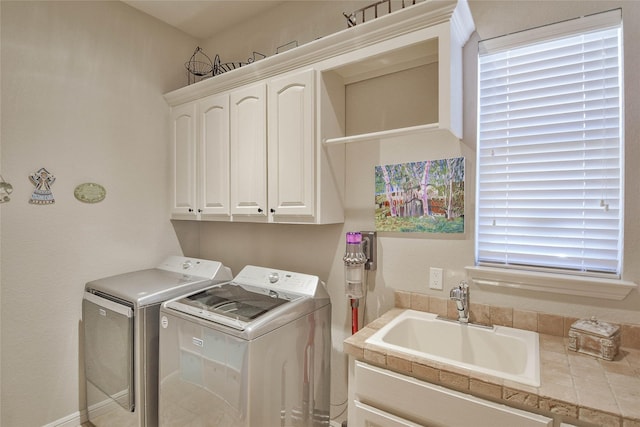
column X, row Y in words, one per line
column 259, row 210
column 190, row 209
column 272, row 210
column 199, row 210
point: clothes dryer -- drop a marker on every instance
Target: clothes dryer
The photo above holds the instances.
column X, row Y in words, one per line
column 120, row 317
column 253, row 352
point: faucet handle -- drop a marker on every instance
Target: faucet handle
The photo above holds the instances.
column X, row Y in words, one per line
column 460, row 290
column 454, row 293
column 460, row 294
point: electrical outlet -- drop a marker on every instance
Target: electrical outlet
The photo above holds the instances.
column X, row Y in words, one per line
column 435, row 278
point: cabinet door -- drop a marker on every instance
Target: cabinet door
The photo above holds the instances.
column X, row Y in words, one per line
column 249, row 151
column 183, row 161
column 291, row 145
column 213, row 157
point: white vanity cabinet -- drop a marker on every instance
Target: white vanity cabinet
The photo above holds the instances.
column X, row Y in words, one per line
column 200, row 159
column 383, row 398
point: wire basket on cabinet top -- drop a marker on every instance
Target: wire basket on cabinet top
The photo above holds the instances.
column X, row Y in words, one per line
column 199, row 66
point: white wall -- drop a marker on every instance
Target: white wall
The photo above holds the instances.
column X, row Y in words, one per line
column 299, row 21
column 404, row 260
column 82, row 86
column 0, row 242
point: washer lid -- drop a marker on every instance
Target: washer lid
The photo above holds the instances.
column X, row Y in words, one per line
column 155, row 285
column 258, row 300
column 232, row 304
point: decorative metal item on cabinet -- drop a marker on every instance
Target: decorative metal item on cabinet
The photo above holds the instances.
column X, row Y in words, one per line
column 220, row 67
column 199, row 66
column 365, row 12
column 292, row 44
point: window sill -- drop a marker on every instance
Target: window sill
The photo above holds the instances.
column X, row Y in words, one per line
column 593, row 287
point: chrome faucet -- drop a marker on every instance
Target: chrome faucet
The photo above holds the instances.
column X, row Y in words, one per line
column 460, row 294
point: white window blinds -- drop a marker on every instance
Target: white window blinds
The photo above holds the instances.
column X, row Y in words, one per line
column 550, row 149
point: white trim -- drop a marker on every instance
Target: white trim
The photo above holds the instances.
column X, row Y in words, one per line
column 597, row 21
column 78, row 418
column 611, row 289
column 72, row 420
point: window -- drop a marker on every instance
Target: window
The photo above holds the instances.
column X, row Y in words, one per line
column 550, row 149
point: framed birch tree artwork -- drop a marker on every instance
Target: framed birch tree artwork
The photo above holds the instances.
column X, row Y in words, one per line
column 423, row 197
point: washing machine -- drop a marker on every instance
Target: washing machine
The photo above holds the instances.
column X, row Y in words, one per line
column 253, row 352
column 120, row 317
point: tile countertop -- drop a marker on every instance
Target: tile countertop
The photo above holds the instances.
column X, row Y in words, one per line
column 573, row 385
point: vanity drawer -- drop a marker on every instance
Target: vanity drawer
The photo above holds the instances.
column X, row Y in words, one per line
column 373, row 417
column 423, row 403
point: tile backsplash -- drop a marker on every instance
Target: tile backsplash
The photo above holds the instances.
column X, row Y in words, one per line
column 544, row 323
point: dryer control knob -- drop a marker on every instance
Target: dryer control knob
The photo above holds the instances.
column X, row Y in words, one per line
column 187, row 265
column 273, row 277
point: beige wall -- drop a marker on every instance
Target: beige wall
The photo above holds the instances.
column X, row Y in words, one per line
column 0, row 242
column 300, row 21
column 81, row 95
column 82, row 86
column 404, row 260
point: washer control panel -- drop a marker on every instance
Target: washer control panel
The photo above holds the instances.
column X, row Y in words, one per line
column 278, row 280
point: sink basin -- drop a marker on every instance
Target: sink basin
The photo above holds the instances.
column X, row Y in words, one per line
column 503, row 352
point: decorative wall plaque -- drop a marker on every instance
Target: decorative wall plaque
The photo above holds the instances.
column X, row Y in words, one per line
column 90, row 192
column 43, row 180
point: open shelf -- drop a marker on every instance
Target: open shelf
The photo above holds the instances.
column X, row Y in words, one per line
column 389, row 62
column 433, row 127
column 404, row 85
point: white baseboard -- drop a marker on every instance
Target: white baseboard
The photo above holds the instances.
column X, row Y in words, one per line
column 74, row 420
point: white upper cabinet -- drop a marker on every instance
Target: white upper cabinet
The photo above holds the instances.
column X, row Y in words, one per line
column 183, row 162
column 408, row 74
column 249, row 152
column 213, row 156
column 200, row 159
column 289, row 116
column 291, row 154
